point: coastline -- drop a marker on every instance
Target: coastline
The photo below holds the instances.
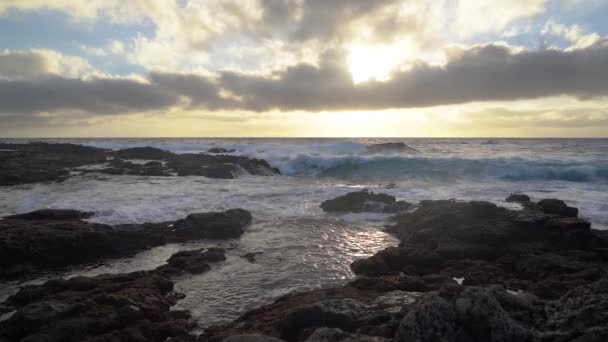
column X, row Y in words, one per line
column 540, row 268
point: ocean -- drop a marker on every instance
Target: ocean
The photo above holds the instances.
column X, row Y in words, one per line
column 300, row 246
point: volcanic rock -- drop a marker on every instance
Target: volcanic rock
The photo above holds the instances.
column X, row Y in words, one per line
column 57, row 238
column 365, row 201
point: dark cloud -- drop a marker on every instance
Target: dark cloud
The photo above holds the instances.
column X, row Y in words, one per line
column 323, row 20
column 22, row 65
column 485, row 73
column 201, row 92
column 98, row 95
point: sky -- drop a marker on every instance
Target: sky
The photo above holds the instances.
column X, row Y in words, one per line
column 304, row 68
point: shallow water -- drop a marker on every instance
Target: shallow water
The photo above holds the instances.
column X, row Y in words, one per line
column 303, row 247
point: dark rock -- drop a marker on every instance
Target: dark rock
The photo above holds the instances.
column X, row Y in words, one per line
column 218, row 150
column 52, row 214
column 121, row 307
column 432, row 319
column 251, row 256
column 337, row 335
column 365, row 201
column 332, row 313
column 251, row 338
column 466, row 314
column 218, row 166
column 371, row 267
column 556, row 206
column 52, row 239
column 226, row 225
column 40, row 162
column 192, row 262
column 43, row 162
column 143, row 153
column 518, row 198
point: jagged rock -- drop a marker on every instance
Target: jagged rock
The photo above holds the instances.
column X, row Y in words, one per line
column 218, row 166
column 365, row 201
column 518, row 198
column 192, row 262
column 121, row 307
column 42, row 162
column 556, row 206
column 228, row 224
column 332, row 313
column 466, row 314
column 143, row 153
column 51, row 239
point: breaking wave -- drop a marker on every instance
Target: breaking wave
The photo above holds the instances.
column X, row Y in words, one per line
column 402, row 167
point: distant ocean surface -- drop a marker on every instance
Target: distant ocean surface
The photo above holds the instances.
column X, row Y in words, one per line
column 303, row 247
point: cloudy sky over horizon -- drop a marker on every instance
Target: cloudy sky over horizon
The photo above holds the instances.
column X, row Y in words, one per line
column 303, row 68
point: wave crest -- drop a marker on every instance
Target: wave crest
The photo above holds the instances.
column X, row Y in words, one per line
column 402, row 167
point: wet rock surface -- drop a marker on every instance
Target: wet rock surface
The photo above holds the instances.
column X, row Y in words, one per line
column 48, row 239
column 41, row 162
column 121, row 307
column 192, row 262
column 44, row 162
column 190, row 164
column 365, row 201
column 464, row 271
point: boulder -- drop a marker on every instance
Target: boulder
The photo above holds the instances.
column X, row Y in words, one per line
column 120, row 307
column 365, row 201
column 218, row 225
column 192, row 261
column 466, row 314
column 518, row 198
column 338, row 313
column 558, row 207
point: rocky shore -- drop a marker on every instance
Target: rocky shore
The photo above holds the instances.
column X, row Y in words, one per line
column 55, row 238
column 43, row 162
column 463, row 271
column 121, row 307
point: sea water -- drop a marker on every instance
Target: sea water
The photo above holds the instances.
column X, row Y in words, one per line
column 300, row 246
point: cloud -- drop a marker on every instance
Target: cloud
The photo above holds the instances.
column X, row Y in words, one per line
column 480, row 73
column 97, row 95
column 113, row 47
column 574, row 34
column 31, row 64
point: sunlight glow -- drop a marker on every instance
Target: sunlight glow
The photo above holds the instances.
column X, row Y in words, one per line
column 371, row 63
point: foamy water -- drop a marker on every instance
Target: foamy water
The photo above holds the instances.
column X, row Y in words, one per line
column 303, row 247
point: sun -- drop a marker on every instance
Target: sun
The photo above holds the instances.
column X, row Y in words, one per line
column 367, row 63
